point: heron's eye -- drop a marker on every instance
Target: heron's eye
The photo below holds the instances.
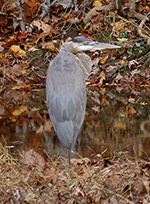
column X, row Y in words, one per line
column 84, row 43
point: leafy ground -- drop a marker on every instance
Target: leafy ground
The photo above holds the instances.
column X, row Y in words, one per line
column 118, row 180
column 25, row 52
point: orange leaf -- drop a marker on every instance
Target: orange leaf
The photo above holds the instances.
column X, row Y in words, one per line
column 129, row 111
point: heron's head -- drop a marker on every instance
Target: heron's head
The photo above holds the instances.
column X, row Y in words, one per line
column 84, row 44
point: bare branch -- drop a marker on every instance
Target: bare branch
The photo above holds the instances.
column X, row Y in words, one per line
column 20, row 19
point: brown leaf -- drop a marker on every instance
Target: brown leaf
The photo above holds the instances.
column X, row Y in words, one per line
column 114, row 178
column 42, row 26
column 76, row 161
column 120, row 125
column 102, row 78
column 11, row 40
column 29, row 9
column 32, row 158
column 139, row 187
column 93, row 79
column 49, row 45
column 49, row 176
column 2, row 110
column 42, row 36
column 48, row 126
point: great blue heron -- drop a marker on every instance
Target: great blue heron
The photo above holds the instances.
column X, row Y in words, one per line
column 66, row 89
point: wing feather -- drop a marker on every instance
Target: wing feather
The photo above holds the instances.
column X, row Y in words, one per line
column 66, row 97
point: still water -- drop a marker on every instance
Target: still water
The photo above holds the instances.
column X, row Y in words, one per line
column 115, row 120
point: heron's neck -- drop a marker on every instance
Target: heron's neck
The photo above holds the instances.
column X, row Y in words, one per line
column 67, row 47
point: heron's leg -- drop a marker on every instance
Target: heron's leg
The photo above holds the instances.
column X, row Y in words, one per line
column 69, row 158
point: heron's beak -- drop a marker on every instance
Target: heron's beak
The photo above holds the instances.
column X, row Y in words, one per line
column 92, row 45
column 100, row 46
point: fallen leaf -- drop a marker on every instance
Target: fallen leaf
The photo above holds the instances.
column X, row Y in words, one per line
column 102, row 78
column 143, row 103
column 14, row 71
column 120, row 125
column 1, row 55
column 24, row 71
column 129, row 111
column 42, row 36
column 2, row 110
column 40, row 130
column 48, row 126
column 17, row 51
column 19, row 111
column 121, row 61
column 16, row 87
column 122, row 39
column 118, row 27
column 96, row 109
column 97, row 3
column 49, row 176
column 32, row 158
column 103, row 61
column 49, row 45
column 1, row 47
column 32, row 49
column 104, row 101
column 64, row 3
column 76, row 161
column 41, row 25
column 87, row 83
column 23, row 35
column 131, row 100
column 64, row 14
column 117, row 78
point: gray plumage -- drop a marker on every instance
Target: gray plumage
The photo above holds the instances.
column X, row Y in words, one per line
column 66, row 89
column 66, row 96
